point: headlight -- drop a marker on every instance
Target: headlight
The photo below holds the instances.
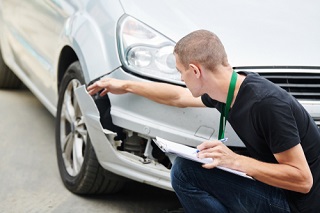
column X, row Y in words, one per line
column 146, row 52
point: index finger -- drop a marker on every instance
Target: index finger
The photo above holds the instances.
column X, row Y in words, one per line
column 208, row 144
column 92, row 86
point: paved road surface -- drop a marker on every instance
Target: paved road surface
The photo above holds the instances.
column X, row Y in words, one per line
column 29, row 176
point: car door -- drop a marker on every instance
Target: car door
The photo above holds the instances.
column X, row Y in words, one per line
column 34, row 37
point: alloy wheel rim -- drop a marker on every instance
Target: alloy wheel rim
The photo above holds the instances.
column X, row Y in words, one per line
column 73, row 132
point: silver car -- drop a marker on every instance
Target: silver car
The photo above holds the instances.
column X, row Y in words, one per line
column 55, row 46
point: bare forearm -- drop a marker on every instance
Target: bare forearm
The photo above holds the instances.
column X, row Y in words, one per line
column 159, row 92
column 278, row 175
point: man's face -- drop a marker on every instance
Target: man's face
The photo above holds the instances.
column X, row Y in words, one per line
column 189, row 77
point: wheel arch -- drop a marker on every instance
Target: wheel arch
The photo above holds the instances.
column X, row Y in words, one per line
column 66, row 58
column 93, row 44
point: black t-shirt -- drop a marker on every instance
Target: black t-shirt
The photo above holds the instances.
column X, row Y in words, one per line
column 268, row 120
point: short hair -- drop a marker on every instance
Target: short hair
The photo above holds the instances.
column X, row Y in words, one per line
column 201, row 46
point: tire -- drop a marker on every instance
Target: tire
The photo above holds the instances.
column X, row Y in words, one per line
column 79, row 168
column 8, row 80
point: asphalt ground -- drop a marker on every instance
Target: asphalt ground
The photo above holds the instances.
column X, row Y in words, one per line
column 29, row 176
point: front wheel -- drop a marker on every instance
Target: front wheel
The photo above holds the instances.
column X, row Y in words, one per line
column 79, row 168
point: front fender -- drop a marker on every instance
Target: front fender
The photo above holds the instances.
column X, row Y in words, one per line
column 94, row 41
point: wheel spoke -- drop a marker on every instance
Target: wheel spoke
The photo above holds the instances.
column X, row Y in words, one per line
column 81, row 130
column 69, row 108
column 83, row 134
column 75, row 85
column 67, row 150
column 77, row 154
column 65, row 141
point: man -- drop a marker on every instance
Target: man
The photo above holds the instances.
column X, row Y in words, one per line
column 281, row 137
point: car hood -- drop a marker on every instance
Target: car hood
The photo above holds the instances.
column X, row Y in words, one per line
column 255, row 33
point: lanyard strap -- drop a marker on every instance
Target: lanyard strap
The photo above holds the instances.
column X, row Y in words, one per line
column 225, row 109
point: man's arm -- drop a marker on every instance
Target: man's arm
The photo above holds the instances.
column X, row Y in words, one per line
column 292, row 171
column 159, row 92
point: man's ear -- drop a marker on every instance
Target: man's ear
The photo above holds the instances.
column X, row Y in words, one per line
column 196, row 70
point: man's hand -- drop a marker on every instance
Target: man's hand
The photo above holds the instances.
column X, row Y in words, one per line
column 111, row 85
column 220, row 153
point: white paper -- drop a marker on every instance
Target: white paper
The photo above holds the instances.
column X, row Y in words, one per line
column 189, row 153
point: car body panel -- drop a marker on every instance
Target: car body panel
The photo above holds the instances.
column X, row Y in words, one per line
column 279, row 34
column 171, row 122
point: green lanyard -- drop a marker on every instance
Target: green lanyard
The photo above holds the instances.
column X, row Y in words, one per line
column 225, row 110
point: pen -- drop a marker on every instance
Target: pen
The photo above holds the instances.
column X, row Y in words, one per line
column 223, row 140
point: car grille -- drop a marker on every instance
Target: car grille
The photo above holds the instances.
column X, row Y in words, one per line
column 303, row 86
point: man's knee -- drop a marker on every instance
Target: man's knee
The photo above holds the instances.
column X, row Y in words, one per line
column 176, row 172
column 180, row 172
